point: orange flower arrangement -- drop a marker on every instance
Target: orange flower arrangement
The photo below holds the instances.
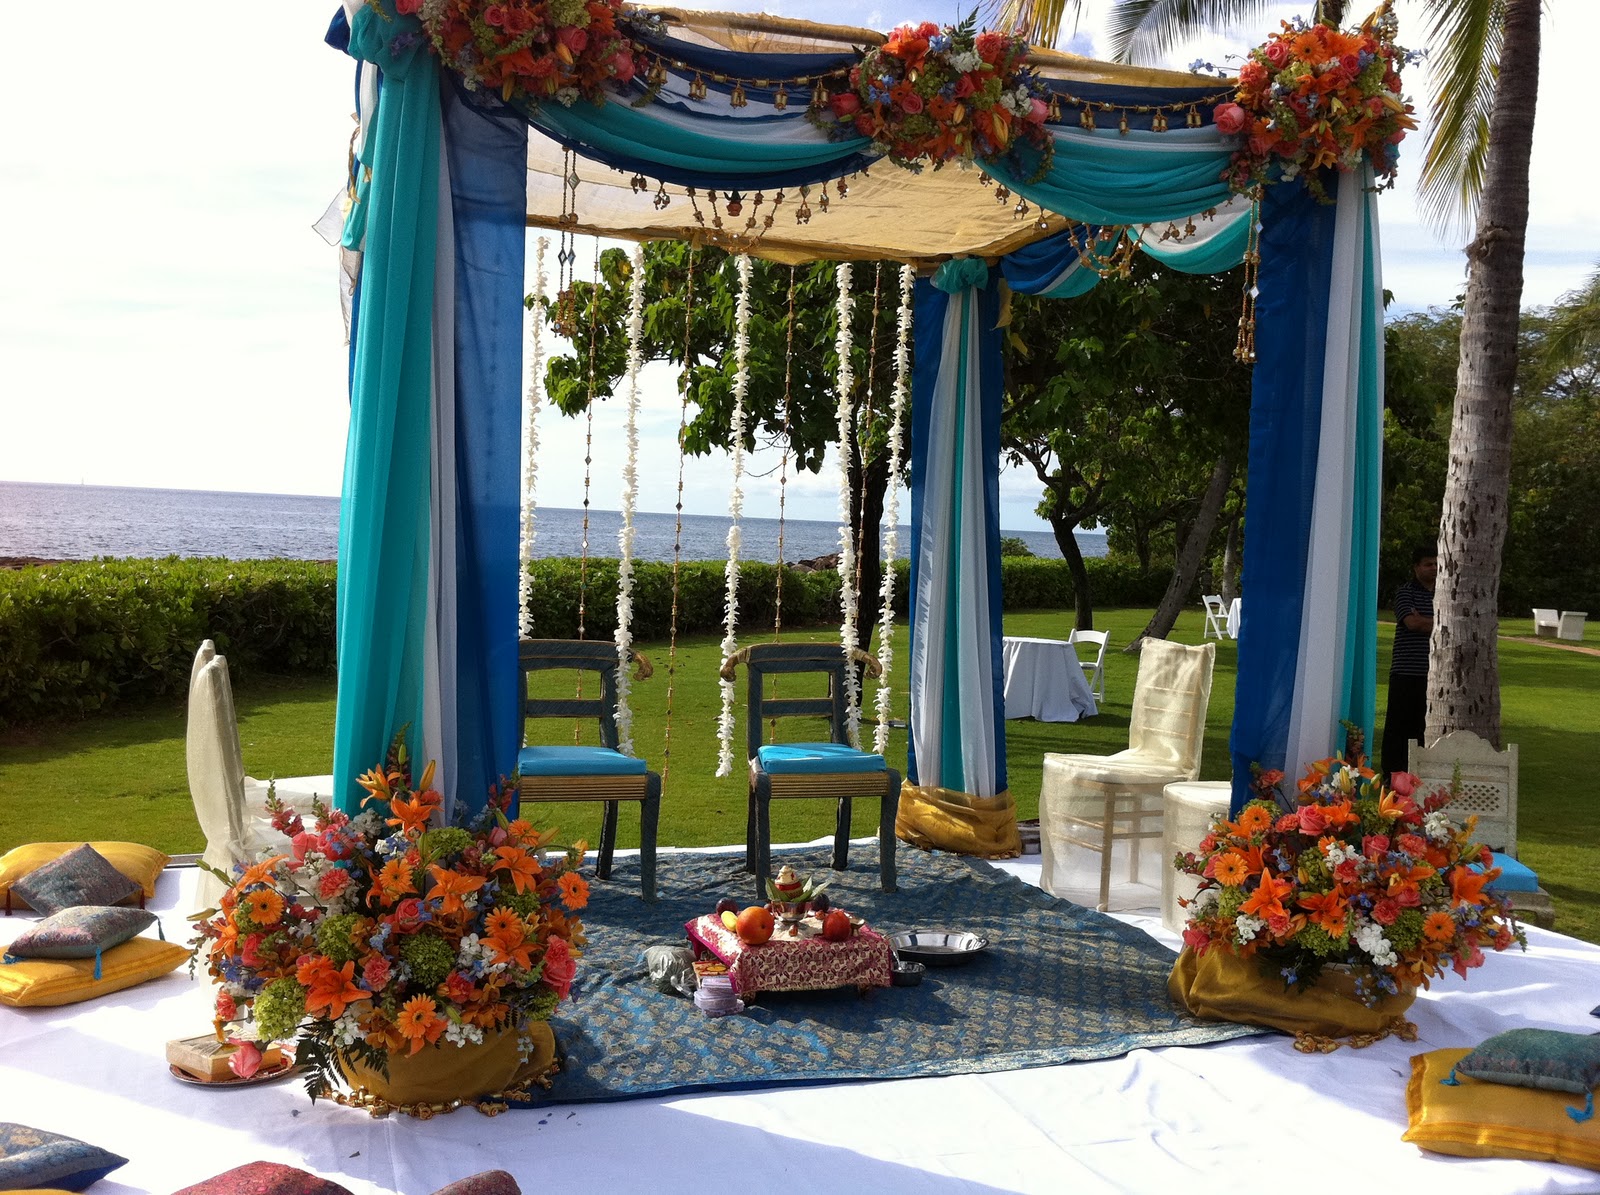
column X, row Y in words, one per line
column 388, row 933
column 1313, row 98
column 1347, row 871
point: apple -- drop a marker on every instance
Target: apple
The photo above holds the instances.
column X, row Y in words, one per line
column 726, row 905
column 836, row 926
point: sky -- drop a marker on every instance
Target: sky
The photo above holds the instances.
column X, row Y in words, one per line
column 168, row 317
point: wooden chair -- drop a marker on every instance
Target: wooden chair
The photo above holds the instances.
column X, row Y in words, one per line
column 833, row 770
column 603, row 773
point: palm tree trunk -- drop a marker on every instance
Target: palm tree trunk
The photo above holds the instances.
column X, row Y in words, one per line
column 1463, row 663
column 1190, row 556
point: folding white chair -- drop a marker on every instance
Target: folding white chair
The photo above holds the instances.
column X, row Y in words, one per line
column 1216, row 617
column 1093, row 671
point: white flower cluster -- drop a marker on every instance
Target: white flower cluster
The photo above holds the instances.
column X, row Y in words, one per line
column 1369, row 936
column 1247, row 927
column 1337, row 852
column 891, row 511
column 1018, row 102
column 530, row 464
column 741, row 386
column 847, row 548
column 630, row 499
column 459, row 1033
column 346, row 1030
column 1438, row 827
column 965, row 60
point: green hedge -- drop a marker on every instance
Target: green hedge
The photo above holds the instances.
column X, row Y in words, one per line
column 82, row 637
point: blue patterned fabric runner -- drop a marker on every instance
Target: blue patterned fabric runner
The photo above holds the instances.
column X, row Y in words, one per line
column 1058, row 983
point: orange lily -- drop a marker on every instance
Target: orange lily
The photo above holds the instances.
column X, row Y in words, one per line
column 1329, row 910
column 450, row 886
column 1266, row 901
column 522, row 865
column 513, row 948
column 330, row 988
column 1466, row 887
column 412, row 816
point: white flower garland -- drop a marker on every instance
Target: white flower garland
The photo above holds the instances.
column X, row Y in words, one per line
column 847, row 553
column 741, row 386
column 630, row 497
column 891, row 513
column 530, row 465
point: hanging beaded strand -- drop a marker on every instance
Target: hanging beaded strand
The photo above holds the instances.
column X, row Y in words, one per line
column 847, row 564
column 741, row 385
column 530, row 462
column 630, row 500
column 891, row 511
column 783, row 461
column 677, row 537
column 863, row 425
column 588, row 451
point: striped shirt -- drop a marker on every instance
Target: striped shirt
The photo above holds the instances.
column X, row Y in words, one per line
column 1410, row 647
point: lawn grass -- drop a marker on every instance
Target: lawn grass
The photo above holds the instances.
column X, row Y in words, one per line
column 123, row 775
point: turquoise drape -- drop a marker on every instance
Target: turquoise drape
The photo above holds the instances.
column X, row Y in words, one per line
column 384, row 515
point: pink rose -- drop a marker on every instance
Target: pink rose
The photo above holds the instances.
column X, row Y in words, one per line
column 865, row 125
column 1403, row 784
column 911, row 102
column 301, row 843
column 623, row 66
column 1196, row 940
column 375, row 973
column 1374, row 845
column 1385, row 911
column 1259, row 145
column 1351, row 64
column 458, row 987
column 246, row 1058
column 408, row 914
column 1277, row 53
column 1037, row 111
column 1408, row 898
column 227, row 1010
column 846, row 103
column 573, row 38
column 1229, row 118
column 1312, row 819
column 965, row 87
column 406, row 7
column 559, row 967
column 249, row 953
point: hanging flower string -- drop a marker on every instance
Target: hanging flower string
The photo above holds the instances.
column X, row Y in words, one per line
column 891, row 511
column 530, row 465
column 741, row 387
column 630, row 498
column 847, row 548
column 1313, row 97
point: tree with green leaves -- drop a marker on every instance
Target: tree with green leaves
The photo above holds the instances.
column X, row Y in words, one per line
column 1484, row 56
column 1126, row 403
column 691, row 297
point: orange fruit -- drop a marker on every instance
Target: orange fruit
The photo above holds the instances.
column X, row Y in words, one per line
column 754, row 925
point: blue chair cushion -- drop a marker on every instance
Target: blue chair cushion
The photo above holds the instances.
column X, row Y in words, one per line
column 816, row 759
column 1514, row 876
column 577, row 761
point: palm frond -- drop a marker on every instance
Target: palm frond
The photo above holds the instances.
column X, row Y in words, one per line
column 1147, row 30
column 1039, row 21
column 1574, row 332
column 1463, row 39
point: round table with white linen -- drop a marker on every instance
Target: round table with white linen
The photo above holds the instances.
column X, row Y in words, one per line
column 1044, row 680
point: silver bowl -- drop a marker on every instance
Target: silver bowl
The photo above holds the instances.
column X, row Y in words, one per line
column 937, row 947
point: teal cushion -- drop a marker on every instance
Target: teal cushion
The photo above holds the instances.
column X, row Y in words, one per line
column 1546, row 1058
column 1514, row 876
column 577, row 761
column 80, row 932
column 35, row 1158
column 82, row 876
column 816, row 759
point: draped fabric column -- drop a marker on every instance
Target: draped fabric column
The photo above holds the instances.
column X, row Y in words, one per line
column 1308, row 642
column 956, row 796
column 384, row 541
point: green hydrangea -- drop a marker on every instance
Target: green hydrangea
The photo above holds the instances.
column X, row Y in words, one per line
column 1406, row 932
column 542, row 1005
column 568, row 12
column 524, row 904
column 444, row 841
column 1320, row 942
column 1315, row 869
column 429, row 958
column 336, row 937
column 1228, row 902
column 279, row 1009
column 1372, row 820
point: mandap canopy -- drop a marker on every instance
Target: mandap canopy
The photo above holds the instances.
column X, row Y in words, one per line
column 757, row 134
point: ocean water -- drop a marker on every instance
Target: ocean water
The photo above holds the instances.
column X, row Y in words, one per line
column 78, row 522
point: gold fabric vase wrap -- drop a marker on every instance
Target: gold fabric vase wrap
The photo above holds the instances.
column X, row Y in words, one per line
column 941, row 819
column 1224, row 987
column 447, row 1074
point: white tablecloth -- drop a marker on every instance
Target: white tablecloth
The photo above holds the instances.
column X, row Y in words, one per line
column 1249, row 1115
column 1044, row 680
column 1235, row 613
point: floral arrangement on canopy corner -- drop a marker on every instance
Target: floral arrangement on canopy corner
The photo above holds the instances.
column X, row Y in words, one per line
column 1314, row 97
column 1351, row 872
column 530, row 50
column 932, row 94
column 383, row 935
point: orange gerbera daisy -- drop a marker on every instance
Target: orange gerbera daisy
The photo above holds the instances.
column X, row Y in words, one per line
column 1231, row 869
column 1254, row 820
column 503, row 923
column 574, row 890
column 263, row 906
column 1439, row 927
column 419, row 1022
column 393, row 882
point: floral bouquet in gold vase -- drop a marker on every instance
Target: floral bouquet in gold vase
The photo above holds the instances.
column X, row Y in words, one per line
column 386, row 938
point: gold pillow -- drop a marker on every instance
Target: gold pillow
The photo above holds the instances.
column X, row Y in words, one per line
column 140, row 863
column 38, row 982
column 1493, row 1120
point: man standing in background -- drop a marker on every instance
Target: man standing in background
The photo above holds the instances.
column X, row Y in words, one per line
column 1407, row 715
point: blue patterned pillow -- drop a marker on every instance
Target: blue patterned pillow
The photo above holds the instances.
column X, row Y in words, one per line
column 82, row 876
column 82, row 932
column 34, row 1158
column 1546, row 1058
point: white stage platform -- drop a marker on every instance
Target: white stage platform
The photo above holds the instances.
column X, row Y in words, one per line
column 1248, row 1115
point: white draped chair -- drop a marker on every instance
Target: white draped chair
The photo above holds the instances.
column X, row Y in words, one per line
column 1098, row 801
